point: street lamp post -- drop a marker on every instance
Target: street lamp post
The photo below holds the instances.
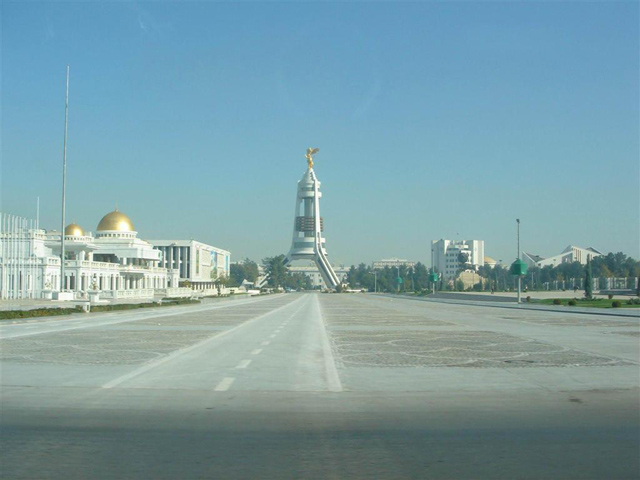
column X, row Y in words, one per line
column 413, row 286
column 519, row 276
column 519, row 268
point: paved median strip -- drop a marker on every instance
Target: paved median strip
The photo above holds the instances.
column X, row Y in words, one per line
column 114, row 318
column 179, row 353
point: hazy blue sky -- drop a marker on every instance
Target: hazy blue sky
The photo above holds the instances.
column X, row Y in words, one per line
column 434, row 120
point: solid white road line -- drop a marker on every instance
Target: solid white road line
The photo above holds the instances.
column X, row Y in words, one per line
column 333, row 379
column 256, row 352
column 243, row 364
column 224, row 385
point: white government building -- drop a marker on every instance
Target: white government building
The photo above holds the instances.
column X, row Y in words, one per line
column 196, row 262
column 445, row 255
column 114, row 262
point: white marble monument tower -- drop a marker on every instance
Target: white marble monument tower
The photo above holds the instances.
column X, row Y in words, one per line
column 307, row 242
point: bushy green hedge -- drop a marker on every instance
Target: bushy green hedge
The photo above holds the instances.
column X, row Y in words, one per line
column 133, row 306
column 37, row 312
column 47, row 312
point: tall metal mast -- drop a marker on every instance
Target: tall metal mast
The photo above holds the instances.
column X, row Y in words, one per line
column 64, row 183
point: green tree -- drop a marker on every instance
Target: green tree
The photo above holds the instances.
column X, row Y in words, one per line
column 588, row 281
column 277, row 271
column 352, row 277
column 236, row 274
column 251, row 272
column 364, row 279
column 247, row 270
column 221, row 281
column 420, row 277
column 297, row 281
column 463, row 260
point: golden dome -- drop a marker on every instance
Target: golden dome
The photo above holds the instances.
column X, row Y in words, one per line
column 73, row 230
column 117, row 221
column 489, row 260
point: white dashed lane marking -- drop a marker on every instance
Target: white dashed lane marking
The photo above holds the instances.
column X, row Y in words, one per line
column 265, row 343
column 243, row 364
column 256, row 352
column 224, row 385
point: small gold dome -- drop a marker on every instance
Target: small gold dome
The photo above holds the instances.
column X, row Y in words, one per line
column 117, row 221
column 73, row 230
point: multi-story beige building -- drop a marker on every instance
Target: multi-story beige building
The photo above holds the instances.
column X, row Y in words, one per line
column 195, row 262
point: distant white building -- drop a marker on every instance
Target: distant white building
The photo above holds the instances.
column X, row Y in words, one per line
column 445, row 255
column 314, row 275
column 393, row 263
column 114, row 262
column 196, row 262
column 569, row 255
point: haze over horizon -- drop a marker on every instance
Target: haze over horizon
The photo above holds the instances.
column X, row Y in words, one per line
column 433, row 121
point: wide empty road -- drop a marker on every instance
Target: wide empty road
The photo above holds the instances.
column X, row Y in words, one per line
column 321, row 386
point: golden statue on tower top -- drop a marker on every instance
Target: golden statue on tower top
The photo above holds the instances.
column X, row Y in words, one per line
column 310, row 153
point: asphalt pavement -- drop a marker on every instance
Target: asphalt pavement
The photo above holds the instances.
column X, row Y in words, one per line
column 321, row 386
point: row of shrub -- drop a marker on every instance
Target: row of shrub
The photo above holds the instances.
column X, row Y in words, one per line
column 47, row 312
column 133, row 306
column 615, row 304
column 38, row 312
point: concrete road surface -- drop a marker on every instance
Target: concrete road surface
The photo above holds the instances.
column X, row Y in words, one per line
column 321, row 386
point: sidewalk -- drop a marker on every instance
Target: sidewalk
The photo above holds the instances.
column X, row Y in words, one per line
column 483, row 299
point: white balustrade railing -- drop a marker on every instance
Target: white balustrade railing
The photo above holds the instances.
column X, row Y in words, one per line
column 176, row 292
column 120, row 294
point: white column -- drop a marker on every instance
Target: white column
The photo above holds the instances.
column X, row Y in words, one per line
column 179, row 260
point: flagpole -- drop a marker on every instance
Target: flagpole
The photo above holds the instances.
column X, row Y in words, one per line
column 64, row 184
